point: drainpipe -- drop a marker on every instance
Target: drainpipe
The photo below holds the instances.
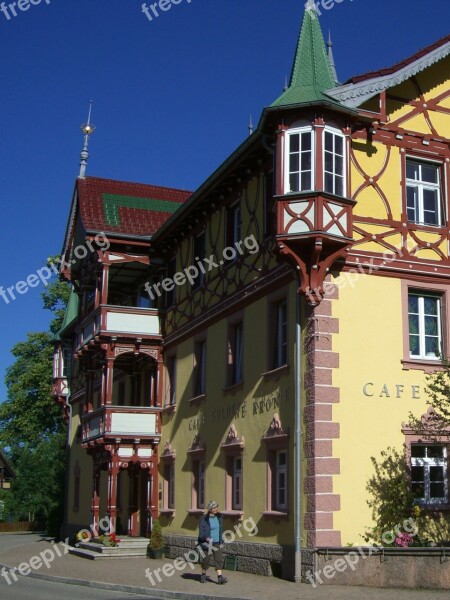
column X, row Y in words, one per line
column 298, row 445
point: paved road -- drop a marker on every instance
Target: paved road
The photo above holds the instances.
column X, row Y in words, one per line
column 129, row 575
column 14, row 540
column 34, row 589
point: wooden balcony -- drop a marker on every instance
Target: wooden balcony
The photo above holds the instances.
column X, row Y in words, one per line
column 124, row 422
column 119, row 321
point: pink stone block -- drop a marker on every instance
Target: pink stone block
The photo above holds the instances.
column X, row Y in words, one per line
column 318, row 521
column 319, row 448
column 322, row 342
column 326, row 359
column 318, row 376
column 318, row 412
column 311, row 503
column 326, row 325
column 324, row 309
column 328, row 538
column 328, row 502
column 323, row 466
column 319, row 485
column 324, row 393
column 322, row 431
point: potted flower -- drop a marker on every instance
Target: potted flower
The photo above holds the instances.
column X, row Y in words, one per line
column 156, row 541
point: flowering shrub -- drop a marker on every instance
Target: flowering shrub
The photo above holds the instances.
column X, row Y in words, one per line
column 404, row 540
column 110, row 540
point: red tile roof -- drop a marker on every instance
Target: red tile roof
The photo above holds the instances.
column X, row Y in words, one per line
column 128, row 208
column 400, row 65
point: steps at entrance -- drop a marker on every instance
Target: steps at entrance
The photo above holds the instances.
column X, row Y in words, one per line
column 128, row 547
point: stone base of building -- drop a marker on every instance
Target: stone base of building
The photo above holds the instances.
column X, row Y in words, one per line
column 309, row 562
column 425, row 568
column 272, row 560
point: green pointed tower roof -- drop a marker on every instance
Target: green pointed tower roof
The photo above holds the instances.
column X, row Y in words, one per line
column 311, row 73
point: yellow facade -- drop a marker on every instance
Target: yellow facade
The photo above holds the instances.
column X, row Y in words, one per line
column 368, row 358
column 282, row 369
column 250, row 408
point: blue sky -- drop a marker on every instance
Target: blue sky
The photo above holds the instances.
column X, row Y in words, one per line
column 172, row 99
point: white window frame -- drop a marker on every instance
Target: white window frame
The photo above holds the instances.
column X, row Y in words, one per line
column 287, row 172
column 421, row 295
column 421, row 186
column 335, row 133
column 281, row 470
column 57, row 359
column 427, row 463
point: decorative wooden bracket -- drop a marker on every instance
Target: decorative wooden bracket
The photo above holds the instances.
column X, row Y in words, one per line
column 312, row 269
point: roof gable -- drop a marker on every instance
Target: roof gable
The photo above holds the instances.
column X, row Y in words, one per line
column 127, row 208
column 364, row 87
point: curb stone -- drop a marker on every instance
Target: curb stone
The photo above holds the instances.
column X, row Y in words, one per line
column 151, row 593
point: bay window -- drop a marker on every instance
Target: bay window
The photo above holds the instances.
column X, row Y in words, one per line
column 299, row 161
column 302, row 159
column 334, row 163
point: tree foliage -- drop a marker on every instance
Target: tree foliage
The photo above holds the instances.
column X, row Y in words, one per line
column 436, row 426
column 29, row 414
column 31, row 424
column 390, row 495
column 38, row 486
column 438, row 397
column 438, row 389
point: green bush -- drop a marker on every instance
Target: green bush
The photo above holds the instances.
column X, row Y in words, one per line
column 156, row 541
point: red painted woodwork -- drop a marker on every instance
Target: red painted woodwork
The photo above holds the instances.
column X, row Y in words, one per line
column 314, row 230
